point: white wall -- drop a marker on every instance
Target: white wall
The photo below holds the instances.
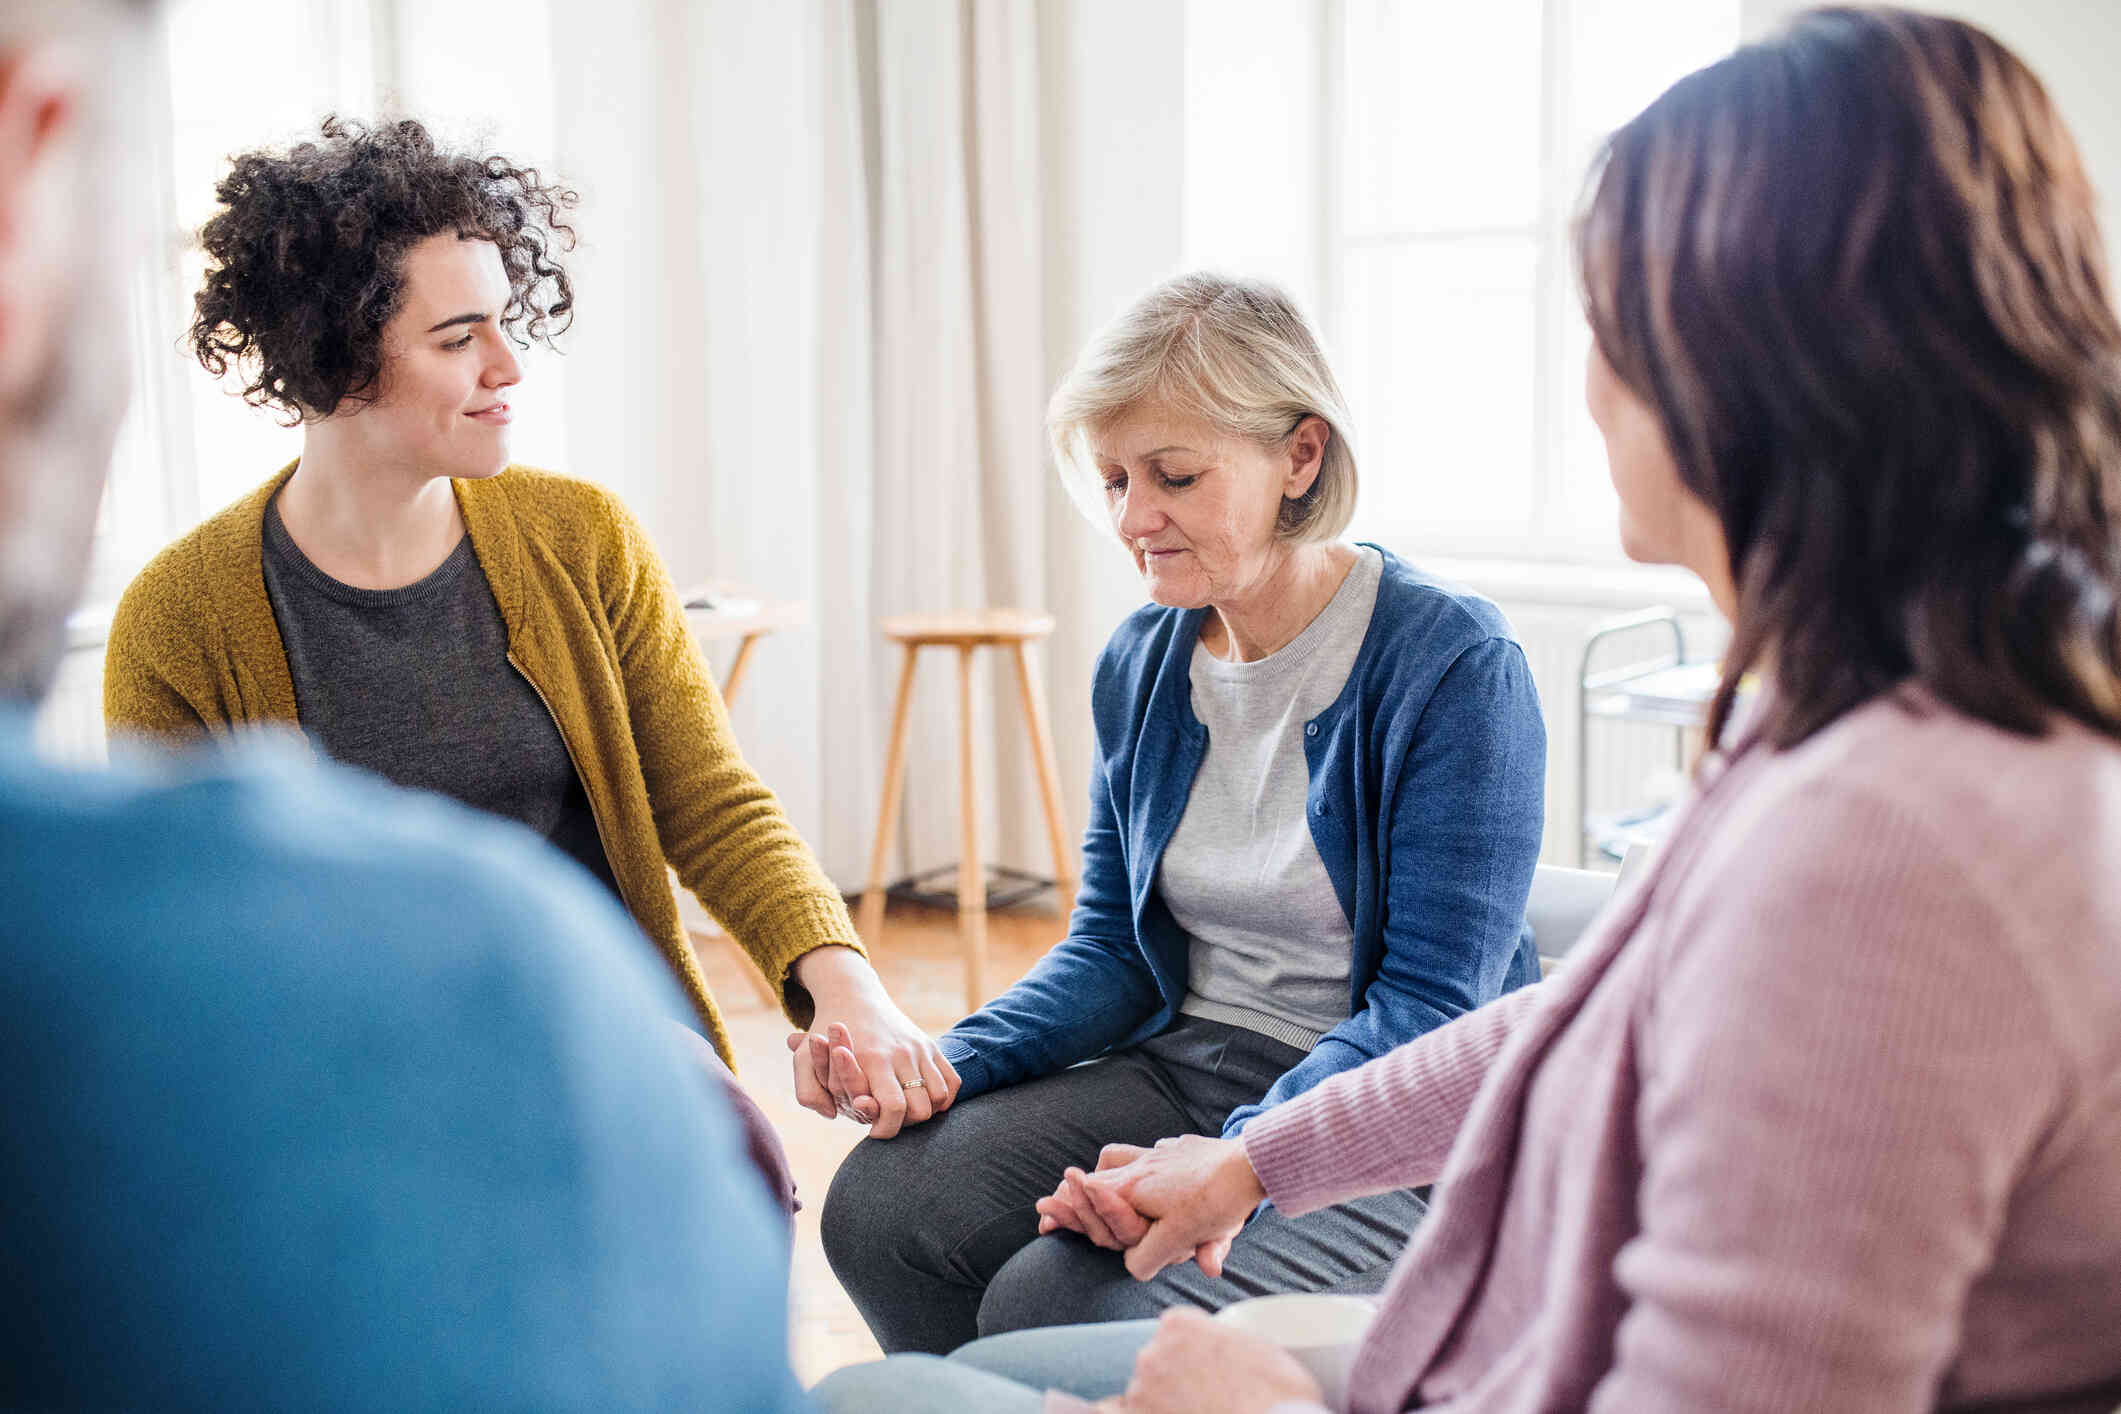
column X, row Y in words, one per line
column 631, row 425
column 1253, row 184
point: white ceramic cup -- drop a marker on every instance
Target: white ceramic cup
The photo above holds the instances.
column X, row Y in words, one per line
column 1323, row 1332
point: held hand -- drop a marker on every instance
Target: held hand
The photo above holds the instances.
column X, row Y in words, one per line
column 1194, row 1193
column 873, row 1051
column 1196, row 1365
column 1060, row 1211
column 814, row 1087
column 1113, row 1226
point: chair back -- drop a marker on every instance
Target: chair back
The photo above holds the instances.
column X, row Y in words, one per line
column 1561, row 906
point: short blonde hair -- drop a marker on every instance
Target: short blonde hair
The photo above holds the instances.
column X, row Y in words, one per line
column 1236, row 354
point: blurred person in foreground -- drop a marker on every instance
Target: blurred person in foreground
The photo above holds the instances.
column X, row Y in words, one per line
column 424, row 609
column 320, row 1095
column 1825, row 1113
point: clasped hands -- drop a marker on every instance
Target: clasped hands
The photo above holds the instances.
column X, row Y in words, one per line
column 863, row 1057
column 1186, row 1197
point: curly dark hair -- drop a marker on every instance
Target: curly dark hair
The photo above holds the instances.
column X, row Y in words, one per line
column 307, row 256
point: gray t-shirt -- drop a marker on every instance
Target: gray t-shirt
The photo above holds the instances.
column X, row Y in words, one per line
column 415, row 685
column 1271, row 947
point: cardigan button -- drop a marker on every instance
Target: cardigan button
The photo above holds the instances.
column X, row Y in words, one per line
column 1319, row 809
column 1310, row 729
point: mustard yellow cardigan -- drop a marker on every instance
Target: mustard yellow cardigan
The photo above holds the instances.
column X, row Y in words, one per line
column 595, row 625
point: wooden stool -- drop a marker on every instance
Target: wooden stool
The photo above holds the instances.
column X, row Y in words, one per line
column 968, row 632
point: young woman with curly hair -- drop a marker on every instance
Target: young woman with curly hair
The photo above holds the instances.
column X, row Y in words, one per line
column 422, row 608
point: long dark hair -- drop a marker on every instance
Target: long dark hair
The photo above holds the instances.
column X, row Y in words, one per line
column 1856, row 271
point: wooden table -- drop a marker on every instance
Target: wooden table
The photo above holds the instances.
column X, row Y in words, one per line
column 748, row 618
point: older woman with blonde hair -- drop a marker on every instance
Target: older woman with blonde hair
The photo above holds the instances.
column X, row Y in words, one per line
column 1315, row 805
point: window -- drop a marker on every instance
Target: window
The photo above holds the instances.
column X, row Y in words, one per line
column 1456, row 157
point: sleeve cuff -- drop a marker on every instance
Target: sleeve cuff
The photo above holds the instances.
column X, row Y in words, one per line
column 1289, row 1158
column 971, row 1072
column 803, row 928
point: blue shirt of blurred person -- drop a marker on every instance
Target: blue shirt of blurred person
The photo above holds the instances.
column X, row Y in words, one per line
column 321, row 1095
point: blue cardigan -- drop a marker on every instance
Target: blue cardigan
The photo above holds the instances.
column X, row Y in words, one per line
column 1427, row 797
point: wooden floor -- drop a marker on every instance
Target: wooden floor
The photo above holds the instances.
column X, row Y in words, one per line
column 919, row 962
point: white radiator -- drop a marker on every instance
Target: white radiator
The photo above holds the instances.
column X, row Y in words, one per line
column 1631, row 763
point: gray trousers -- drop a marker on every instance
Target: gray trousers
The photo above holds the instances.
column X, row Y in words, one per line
column 934, row 1236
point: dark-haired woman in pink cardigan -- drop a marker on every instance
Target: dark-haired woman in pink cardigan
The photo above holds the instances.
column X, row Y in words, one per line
column 1826, row 1113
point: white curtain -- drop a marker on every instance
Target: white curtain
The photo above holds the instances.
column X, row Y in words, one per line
column 812, row 352
column 834, row 255
column 960, row 374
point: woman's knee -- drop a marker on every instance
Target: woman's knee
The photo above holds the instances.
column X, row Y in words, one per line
column 920, row 1384
column 1091, row 1362
column 906, row 1202
column 868, row 1204
column 1061, row 1280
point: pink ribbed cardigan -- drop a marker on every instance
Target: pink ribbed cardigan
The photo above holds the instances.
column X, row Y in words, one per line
column 1824, row 1115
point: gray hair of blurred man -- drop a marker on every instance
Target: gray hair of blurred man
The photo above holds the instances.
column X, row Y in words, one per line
column 68, row 242
column 1234, row 353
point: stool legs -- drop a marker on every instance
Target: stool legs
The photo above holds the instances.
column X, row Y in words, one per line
column 1064, row 881
column 871, row 923
column 971, row 870
column 971, row 864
